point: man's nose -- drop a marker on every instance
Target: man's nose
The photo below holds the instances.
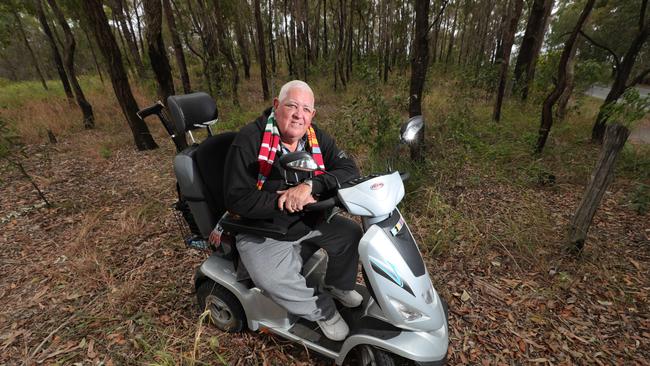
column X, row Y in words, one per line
column 298, row 113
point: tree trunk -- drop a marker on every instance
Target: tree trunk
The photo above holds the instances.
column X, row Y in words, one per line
column 226, row 49
column 243, row 45
column 178, row 46
column 452, row 36
column 563, row 101
column 531, row 45
column 19, row 23
column 261, row 52
column 137, row 19
column 508, row 40
column 111, row 52
column 547, row 108
column 60, row 68
column 272, row 40
column 623, row 72
column 210, row 43
column 287, row 48
column 325, row 28
column 419, row 63
column 156, row 49
column 92, row 52
column 601, row 177
column 118, row 11
column 70, row 45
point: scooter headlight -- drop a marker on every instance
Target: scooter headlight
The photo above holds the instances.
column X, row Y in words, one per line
column 407, row 312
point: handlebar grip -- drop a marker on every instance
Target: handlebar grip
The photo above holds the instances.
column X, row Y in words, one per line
column 321, row 205
column 148, row 111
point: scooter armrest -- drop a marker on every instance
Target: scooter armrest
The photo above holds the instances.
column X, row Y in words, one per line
column 242, row 225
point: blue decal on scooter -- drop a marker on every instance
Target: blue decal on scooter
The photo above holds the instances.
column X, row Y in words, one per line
column 390, row 272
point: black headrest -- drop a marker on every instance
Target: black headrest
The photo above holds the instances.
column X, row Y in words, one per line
column 189, row 110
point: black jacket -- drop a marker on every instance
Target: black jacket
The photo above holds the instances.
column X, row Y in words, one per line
column 242, row 168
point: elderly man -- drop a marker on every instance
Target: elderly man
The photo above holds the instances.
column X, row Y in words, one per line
column 255, row 188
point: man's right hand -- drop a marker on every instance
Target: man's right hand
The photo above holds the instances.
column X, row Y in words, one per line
column 295, row 198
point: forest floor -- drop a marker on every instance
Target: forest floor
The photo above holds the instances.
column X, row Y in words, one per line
column 102, row 276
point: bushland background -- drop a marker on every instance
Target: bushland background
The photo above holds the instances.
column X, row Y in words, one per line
column 94, row 270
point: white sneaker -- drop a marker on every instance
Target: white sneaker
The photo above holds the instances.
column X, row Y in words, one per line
column 335, row 327
column 349, row 298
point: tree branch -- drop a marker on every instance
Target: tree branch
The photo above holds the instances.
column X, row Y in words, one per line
column 437, row 18
column 617, row 60
column 638, row 78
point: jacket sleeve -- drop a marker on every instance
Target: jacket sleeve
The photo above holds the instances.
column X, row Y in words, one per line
column 336, row 163
column 241, row 194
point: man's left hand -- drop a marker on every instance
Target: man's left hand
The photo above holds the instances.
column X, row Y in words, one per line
column 295, row 198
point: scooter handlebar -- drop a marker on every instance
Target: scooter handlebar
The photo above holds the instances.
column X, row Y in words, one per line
column 321, row 205
column 148, row 111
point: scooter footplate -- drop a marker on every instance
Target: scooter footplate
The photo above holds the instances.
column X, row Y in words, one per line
column 311, row 332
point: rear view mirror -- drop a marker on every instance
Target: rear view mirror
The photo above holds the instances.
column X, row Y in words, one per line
column 411, row 130
column 300, row 160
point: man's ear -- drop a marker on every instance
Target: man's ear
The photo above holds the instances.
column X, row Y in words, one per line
column 276, row 103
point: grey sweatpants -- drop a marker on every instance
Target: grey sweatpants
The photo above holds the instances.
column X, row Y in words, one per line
column 274, row 266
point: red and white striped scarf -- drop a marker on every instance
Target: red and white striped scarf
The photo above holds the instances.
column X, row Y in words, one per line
column 271, row 144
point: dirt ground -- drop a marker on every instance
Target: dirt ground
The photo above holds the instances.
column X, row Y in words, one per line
column 102, row 277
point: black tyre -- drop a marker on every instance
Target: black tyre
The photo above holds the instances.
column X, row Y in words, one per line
column 226, row 313
column 371, row 356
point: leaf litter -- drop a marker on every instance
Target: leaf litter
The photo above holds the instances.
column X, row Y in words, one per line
column 103, row 278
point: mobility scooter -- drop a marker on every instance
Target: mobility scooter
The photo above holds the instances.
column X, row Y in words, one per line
column 402, row 320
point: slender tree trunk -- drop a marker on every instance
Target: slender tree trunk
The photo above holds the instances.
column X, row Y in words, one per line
column 531, row 45
column 131, row 64
column 316, row 36
column 243, row 45
column 210, row 43
column 226, row 49
column 261, row 52
column 127, row 13
column 156, row 49
column 60, row 68
column 118, row 12
column 137, row 20
column 272, row 39
column 601, row 178
column 178, row 46
column 92, row 52
column 19, row 23
column 70, row 45
column 111, row 52
column 547, row 108
column 452, row 35
column 623, row 73
column 563, row 101
column 287, row 42
column 508, row 40
column 325, row 28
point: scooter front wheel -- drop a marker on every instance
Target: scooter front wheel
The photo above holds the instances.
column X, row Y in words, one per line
column 371, row 356
column 226, row 313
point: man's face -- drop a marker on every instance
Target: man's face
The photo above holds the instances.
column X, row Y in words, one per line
column 294, row 113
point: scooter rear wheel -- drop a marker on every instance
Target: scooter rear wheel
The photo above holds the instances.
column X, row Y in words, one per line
column 226, row 313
